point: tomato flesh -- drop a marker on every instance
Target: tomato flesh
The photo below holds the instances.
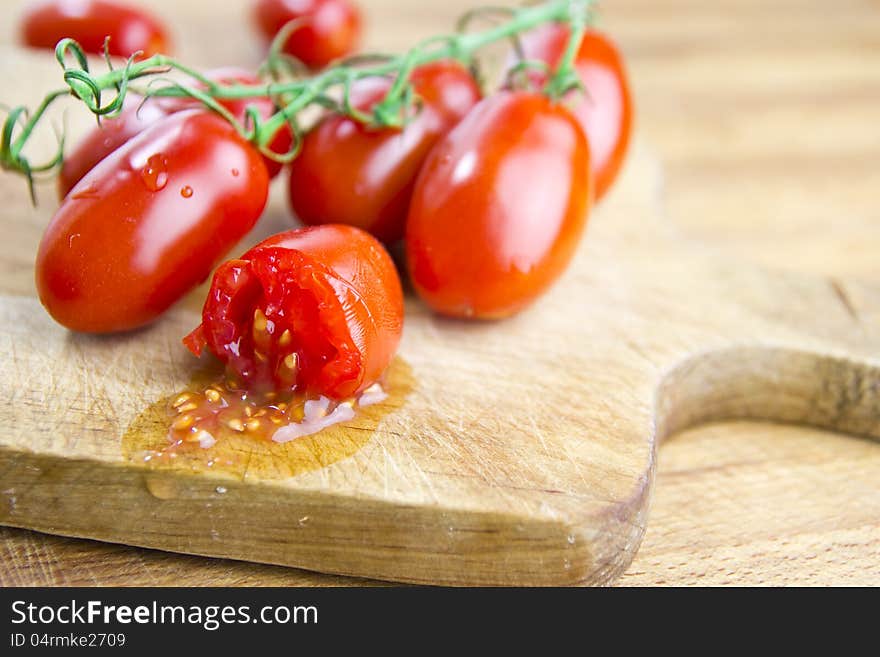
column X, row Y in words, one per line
column 331, row 28
column 499, row 207
column 89, row 22
column 319, row 309
column 606, row 109
column 149, row 222
column 353, row 174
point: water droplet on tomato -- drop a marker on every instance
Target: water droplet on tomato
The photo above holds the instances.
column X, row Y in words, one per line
column 186, row 192
column 235, row 172
column 155, row 172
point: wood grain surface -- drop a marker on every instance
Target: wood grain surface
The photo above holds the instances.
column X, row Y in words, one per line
column 744, row 160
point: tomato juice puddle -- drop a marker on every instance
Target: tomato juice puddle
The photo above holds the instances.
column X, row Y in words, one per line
column 213, row 426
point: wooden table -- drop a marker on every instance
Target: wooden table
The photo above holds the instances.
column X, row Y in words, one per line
column 765, row 115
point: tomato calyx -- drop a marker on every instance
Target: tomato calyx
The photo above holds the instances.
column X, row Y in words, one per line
column 276, row 321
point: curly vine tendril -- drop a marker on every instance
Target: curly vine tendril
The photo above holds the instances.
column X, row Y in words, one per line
column 287, row 85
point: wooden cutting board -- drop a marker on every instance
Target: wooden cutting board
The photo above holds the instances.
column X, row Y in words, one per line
column 523, row 452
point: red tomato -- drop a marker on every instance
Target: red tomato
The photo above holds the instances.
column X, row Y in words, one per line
column 499, row 207
column 331, row 29
column 149, row 222
column 317, row 308
column 89, row 22
column 605, row 111
column 137, row 116
column 351, row 174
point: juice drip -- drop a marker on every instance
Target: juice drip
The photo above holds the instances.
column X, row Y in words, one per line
column 213, row 427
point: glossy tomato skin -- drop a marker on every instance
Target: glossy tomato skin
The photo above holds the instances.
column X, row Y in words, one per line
column 352, row 174
column 137, row 115
column 606, row 109
column 499, row 207
column 328, row 296
column 331, row 29
column 131, row 29
column 148, row 223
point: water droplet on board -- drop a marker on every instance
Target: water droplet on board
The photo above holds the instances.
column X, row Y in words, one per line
column 571, row 539
column 303, row 521
column 161, row 487
column 220, row 490
column 155, row 172
column 186, row 192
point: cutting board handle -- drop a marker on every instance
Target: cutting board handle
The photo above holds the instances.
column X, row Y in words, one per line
column 768, row 383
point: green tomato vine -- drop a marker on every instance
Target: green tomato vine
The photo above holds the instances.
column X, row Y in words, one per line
column 330, row 88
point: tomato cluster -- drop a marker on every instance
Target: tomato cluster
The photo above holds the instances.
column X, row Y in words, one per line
column 489, row 196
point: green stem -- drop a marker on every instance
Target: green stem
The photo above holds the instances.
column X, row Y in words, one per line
column 460, row 47
column 299, row 94
column 28, row 128
column 566, row 78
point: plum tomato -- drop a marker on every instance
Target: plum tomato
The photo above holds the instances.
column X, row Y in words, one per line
column 89, row 22
column 606, row 109
column 499, row 207
column 352, row 174
column 319, row 309
column 138, row 115
column 149, row 222
column 331, row 28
